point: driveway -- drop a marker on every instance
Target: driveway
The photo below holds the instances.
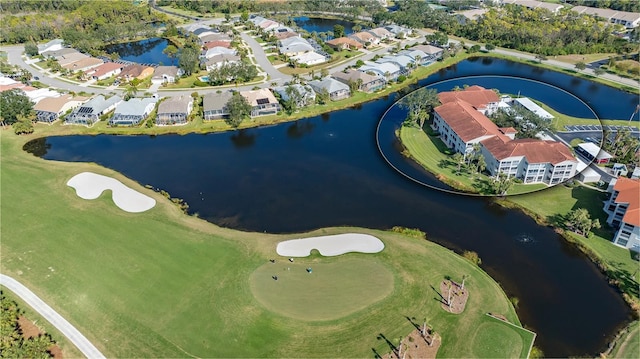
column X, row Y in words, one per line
column 52, row 316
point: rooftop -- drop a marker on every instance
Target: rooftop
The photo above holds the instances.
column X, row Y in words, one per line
column 134, row 107
column 477, row 96
column 215, row 101
column 629, row 192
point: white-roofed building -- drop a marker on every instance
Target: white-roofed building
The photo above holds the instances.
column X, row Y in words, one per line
column 309, row 58
column 592, row 152
column 132, row 112
column 419, row 57
column 53, row 45
column 526, row 103
column 90, row 112
column 306, row 94
column 218, row 50
column 405, row 63
column 293, row 46
column 336, row 89
column 386, row 70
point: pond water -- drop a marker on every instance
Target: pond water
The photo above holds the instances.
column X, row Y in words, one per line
column 147, row 51
column 327, row 171
column 316, row 24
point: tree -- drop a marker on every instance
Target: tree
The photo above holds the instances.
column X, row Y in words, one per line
column 472, row 257
column 188, row 60
column 420, row 103
column 458, row 158
column 581, row 65
column 323, row 97
column 481, row 164
column 580, row 221
column 130, row 91
column 31, row 49
column 338, row 30
column 474, row 48
column 489, row 47
column 354, row 85
column 540, row 58
column 239, row 109
column 14, row 103
column 502, row 184
column 359, row 63
column 171, row 51
column 464, row 277
column 293, row 99
column 598, row 71
column 23, row 126
column 244, row 16
column 356, row 28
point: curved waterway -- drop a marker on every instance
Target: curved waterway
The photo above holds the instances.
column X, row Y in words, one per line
column 327, row 171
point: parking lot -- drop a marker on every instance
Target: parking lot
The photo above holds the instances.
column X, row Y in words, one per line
column 591, row 128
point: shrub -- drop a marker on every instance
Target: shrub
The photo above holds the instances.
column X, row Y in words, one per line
column 200, row 83
column 472, row 257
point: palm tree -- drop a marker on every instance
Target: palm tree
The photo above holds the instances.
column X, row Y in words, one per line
column 459, row 159
column 449, row 294
column 464, row 277
column 130, row 91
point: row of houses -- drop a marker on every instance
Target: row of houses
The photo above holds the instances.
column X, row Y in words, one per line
column 462, row 122
column 627, row 19
column 216, row 47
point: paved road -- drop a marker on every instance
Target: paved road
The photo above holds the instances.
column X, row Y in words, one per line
column 52, row 316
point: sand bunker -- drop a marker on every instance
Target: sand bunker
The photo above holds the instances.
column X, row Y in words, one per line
column 331, row 245
column 90, row 185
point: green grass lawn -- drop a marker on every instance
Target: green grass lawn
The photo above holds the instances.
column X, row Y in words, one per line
column 629, row 345
column 163, row 284
column 497, row 339
column 431, row 153
column 329, row 292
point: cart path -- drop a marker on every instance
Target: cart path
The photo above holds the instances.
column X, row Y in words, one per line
column 66, row 328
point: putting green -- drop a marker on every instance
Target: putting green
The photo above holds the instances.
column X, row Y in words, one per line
column 336, row 287
column 496, row 340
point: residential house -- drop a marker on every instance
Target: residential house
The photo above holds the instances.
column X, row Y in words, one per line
column 135, row 71
column 533, row 4
column 419, row 57
column 70, row 57
column 83, row 64
column 166, row 74
column 365, row 38
column 217, row 51
column 203, row 31
column 59, row 53
column 281, row 35
column 174, row 111
column 309, row 58
column 294, row 46
column 306, row 94
column 592, row 152
column 386, row 70
column 52, row 45
column 269, row 25
column 36, row 95
column 89, row 113
column 381, row 33
column 433, row 53
column 623, row 208
column 405, row 63
column 336, row 89
column 262, row 102
column 217, row 43
column 104, row 71
column 132, row 112
column 214, row 105
column 398, row 31
column 629, row 20
column 214, row 37
column 7, row 84
column 50, row 109
column 215, row 62
column 344, row 43
column 367, row 83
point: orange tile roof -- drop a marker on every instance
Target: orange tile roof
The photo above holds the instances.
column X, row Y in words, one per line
column 536, row 151
column 477, row 96
column 16, row 85
column 629, row 192
column 344, row 40
column 217, row 43
column 105, row 68
column 466, row 122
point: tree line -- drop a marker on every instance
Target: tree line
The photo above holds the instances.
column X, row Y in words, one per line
column 12, row 343
column 87, row 27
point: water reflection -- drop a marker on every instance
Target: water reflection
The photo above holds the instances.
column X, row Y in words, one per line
column 243, row 139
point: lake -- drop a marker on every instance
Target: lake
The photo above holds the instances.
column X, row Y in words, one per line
column 327, row 171
column 147, row 51
column 316, row 24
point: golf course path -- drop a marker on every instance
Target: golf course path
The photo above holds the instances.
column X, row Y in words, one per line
column 52, row 316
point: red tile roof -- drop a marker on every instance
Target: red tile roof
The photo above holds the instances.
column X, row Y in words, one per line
column 477, row 96
column 466, row 122
column 217, row 43
column 629, row 192
column 536, row 151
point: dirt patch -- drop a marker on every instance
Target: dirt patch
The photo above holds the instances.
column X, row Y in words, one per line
column 30, row 330
column 416, row 346
column 455, row 302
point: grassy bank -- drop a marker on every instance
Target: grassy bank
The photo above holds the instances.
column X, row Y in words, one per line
column 161, row 283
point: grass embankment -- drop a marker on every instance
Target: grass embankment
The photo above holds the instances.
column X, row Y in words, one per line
column 161, row 283
column 434, row 156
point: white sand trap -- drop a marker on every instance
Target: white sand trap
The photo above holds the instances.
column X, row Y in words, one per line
column 89, row 185
column 331, row 245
